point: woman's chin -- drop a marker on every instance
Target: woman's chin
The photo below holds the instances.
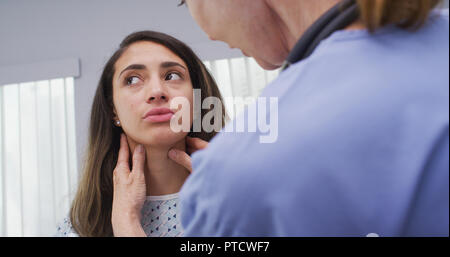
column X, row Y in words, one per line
column 163, row 137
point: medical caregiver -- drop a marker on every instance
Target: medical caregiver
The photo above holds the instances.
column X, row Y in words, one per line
column 363, row 122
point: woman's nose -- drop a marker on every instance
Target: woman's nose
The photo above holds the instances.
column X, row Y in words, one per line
column 157, row 93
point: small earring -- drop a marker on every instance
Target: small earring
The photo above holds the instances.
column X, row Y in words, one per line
column 118, row 122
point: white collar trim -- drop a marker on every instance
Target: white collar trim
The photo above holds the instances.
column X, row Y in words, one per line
column 161, row 197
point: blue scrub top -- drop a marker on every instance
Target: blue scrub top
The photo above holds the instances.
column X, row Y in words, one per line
column 363, row 146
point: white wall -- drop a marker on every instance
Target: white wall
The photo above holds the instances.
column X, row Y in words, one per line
column 39, row 31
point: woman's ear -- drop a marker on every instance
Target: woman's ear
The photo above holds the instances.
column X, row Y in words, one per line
column 116, row 118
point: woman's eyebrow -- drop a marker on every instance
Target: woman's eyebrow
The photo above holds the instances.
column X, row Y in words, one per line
column 133, row 67
column 171, row 64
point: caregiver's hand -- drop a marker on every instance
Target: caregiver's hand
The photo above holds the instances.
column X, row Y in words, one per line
column 129, row 192
column 192, row 145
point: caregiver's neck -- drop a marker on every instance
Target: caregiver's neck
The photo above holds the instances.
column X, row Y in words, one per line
column 295, row 17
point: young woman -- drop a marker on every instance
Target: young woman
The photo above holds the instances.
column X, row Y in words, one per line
column 131, row 114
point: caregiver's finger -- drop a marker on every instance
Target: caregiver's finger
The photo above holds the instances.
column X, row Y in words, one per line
column 196, row 143
column 139, row 160
column 123, row 158
column 181, row 158
column 190, row 150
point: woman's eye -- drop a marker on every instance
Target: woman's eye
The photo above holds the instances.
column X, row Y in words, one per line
column 132, row 80
column 172, row 76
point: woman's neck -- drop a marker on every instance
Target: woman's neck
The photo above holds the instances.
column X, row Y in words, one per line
column 162, row 175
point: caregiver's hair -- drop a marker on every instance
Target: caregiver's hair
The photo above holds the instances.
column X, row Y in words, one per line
column 90, row 213
column 408, row 14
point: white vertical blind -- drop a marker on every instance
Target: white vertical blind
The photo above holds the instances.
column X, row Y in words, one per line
column 37, row 156
column 239, row 77
column 2, row 180
column 28, row 157
column 11, row 169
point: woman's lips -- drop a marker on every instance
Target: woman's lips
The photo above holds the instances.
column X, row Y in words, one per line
column 159, row 115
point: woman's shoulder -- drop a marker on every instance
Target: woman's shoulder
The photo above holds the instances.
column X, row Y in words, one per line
column 65, row 229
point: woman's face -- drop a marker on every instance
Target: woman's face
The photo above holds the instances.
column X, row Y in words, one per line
column 147, row 77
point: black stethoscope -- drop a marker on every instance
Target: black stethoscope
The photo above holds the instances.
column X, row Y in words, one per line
column 337, row 18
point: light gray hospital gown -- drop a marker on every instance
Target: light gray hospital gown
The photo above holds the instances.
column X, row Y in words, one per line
column 160, row 218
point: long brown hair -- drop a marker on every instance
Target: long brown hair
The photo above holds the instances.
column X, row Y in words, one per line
column 90, row 213
column 408, row 14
